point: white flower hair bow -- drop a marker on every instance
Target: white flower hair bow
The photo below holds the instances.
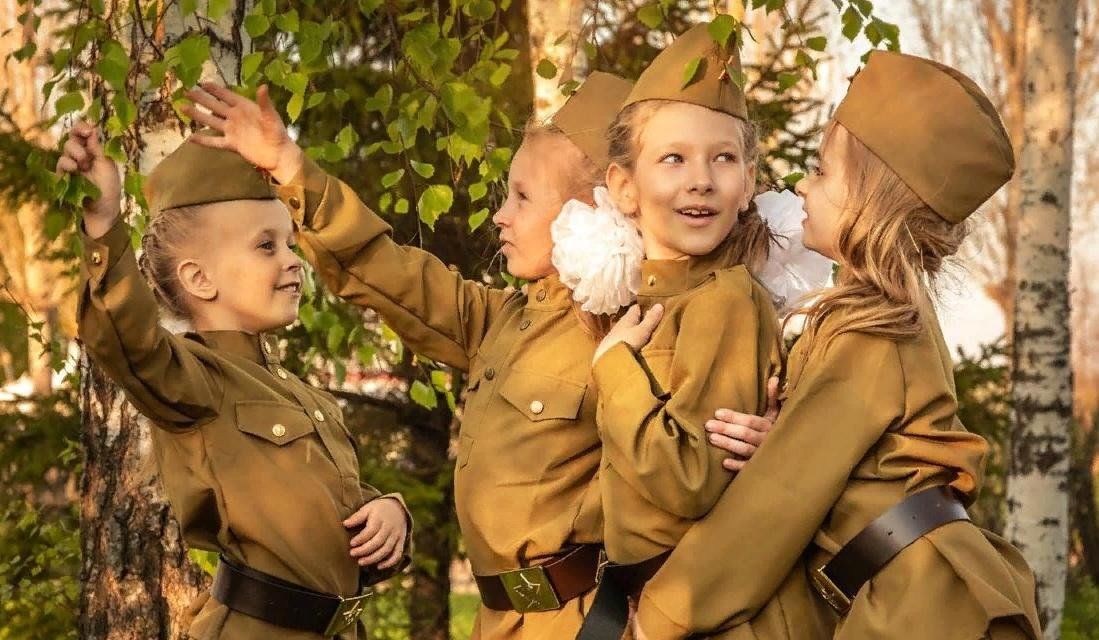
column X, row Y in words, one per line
column 792, row 271
column 597, row 253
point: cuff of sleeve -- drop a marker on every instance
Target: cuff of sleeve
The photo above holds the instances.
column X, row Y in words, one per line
column 303, row 194
column 103, row 253
column 655, row 624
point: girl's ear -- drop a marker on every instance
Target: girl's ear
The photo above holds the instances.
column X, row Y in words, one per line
column 622, row 189
column 195, row 281
column 749, row 187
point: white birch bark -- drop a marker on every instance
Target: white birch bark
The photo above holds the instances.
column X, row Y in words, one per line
column 1037, row 487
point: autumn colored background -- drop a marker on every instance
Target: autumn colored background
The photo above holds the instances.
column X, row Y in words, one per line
column 418, row 104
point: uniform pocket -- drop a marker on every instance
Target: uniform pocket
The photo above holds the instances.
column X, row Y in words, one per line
column 275, row 422
column 465, row 447
column 541, row 397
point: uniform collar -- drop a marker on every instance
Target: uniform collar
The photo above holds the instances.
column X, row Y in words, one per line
column 261, row 348
column 548, row 293
column 665, row 278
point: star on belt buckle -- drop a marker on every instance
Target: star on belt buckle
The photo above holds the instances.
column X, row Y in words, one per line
column 530, row 590
column 831, row 592
column 347, row 613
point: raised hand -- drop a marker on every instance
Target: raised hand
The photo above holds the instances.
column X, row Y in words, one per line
column 83, row 155
column 632, row 329
column 252, row 129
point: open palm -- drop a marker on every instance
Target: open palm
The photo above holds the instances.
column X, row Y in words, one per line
column 252, row 129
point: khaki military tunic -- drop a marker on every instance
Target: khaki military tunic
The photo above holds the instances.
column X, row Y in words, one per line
column 715, row 346
column 256, row 464
column 867, row 421
column 528, row 449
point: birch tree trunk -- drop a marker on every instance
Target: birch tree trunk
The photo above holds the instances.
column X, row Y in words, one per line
column 555, row 36
column 137, row 580
column 1037, row 483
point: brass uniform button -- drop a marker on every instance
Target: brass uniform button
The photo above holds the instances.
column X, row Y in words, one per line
column 541, row 295
column 97, row 258
column 318, row 415
column 537, row 407
column 652, row 281
column 295, row 202
column 490, row 373
column 278, row 430
column 281, row 373
column 524, row 325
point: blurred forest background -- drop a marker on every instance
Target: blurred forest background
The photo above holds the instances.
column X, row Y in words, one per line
column 418, row 104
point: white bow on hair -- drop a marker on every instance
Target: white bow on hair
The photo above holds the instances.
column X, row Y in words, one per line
column 597, row 253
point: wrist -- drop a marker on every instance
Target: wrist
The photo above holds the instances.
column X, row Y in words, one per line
column 288, row 162
column 97, row 226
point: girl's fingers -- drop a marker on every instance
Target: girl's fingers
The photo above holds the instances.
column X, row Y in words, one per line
column 214, row 142
column 204, row 118
column 732, row 445
column 395, row 557
column 652, row 318
column 369, row 531
column 733, row 464
column 747, row 420
column 75, row 150
column 66, row 165
column 772, row 399
column 368, row 547
column 357, row 519
column 263, row 99
column 389, row 544
column 223, row 94
column 200, row 97
column 735, row 430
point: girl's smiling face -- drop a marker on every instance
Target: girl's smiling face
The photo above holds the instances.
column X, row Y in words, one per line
column 242, row 273
column 825, row 192
column 688, row 182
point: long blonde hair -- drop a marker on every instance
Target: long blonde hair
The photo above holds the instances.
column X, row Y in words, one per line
column 891, row 247
column 751, row 237
column 578, row 181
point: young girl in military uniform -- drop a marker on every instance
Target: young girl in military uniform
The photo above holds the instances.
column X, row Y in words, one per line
column 683, row 167
column 528, row 450
column 868, row 469
column 257, row 464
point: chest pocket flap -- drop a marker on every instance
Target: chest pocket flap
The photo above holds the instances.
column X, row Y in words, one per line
column 275, row 422
column 542, row 397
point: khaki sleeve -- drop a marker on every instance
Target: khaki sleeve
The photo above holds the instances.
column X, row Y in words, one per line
column 760, row 527
column 433, row 309
column 654, row 438
column 117, row 324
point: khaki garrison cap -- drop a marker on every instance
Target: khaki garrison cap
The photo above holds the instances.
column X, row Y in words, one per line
column 933, row 126
column 194, row 174
column 588, row 113
column 711, row 86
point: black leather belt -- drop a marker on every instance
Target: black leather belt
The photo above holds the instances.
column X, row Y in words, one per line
column 608, row 615
column 867, row 553
column 282, row 603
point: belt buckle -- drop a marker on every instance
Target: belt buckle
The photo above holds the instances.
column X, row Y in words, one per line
column 530, row 590
column 347, row 613
column 828, row 590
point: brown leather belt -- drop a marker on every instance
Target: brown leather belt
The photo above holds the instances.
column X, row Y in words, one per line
column 546, row 586
column 283, row 603
column 867, row 553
